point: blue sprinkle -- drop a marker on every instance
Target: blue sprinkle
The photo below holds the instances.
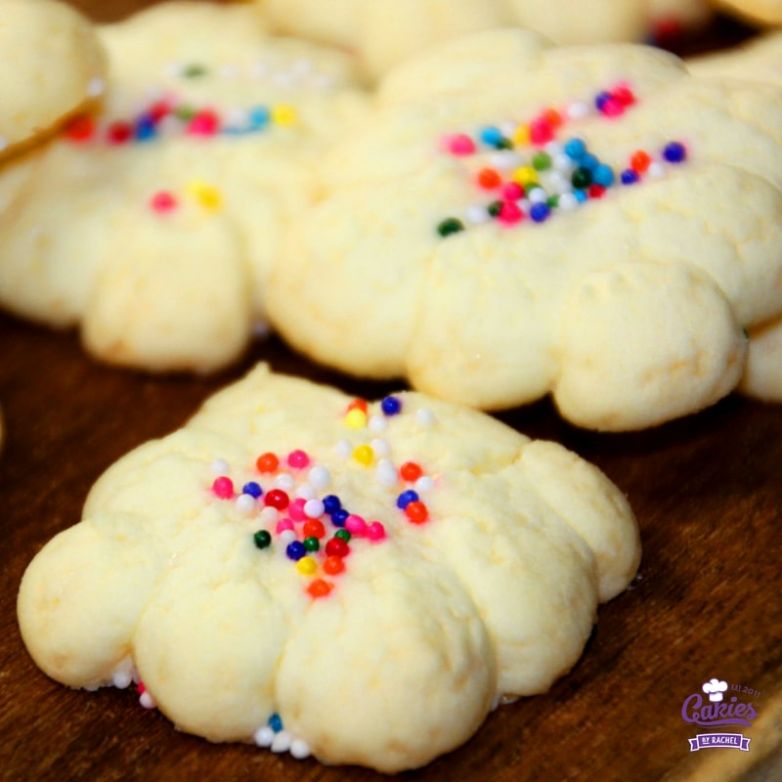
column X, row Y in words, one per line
column 391, row 405
column 575, row 148
column 405, row 498
column 675, row 152
column 275, row 723
column 259, row 117
column 491, row 136
column 629, row 177
column 539, row 212
column 331, row 503
column 295, row 550
column 601, row 100
column 339, row 517
column 145, row 129
column 581, row 195
column 604, row 175
column 589, row 161
column 253, row 489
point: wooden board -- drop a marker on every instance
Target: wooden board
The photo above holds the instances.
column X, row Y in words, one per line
column 707, row 602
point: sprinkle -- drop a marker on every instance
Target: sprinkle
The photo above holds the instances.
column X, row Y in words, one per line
column 656, row 170
column 333, row 566
column 295, row 550
column 491, row 136
column 356, row 419
column 510, row 213
column 296, row 509
column 488, row 179
column 284, row 482
column 307, row 566
column 81, row 128
column 629, row 177
column 146, row 700
column 578, row 110
column 314, row 529
column 259, row 117
column 220, row 467
column 417, row 512
column 405, row 498
column 391, row 405
column 96, row 87
column 376, row 531
column 380, row 447
column 194, row 71
column 277, row 498
column 386, row 473
column 305, row 492
column 675, row 152
column 262, row 539
column 204, row 123
column 640, row 162
column 319, row 588
column 449, row 226
column 331, row 503
column 364, row 455
column 512, row 191
column 410, row 472
column 223, row 487
column 424, row 484
column 163, row 202
column 459, row 145
column 339, row 517
column 377, row 424
column 287, row 537
column 343, row 449
column 311, row 544
column 356, row 526
column 281, row 742
column 477, row 215
column 298, row 460
column 207, row 196
column 337, row 547
column 264, row 736
column 267, row 463
column 424, row 416
column 284, row 525
column 319, row 477
column 314, row 509
column 342, row 534
column 269, row 516
column 245, row 504
column 284, row 115
column 300, row 749
column 119, row 132
column 121, row 679
column 275, row 723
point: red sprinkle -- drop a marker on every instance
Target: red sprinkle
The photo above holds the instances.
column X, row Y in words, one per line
column 596, row 191
column 337, row 547
column 80, row 128
column 205, row 123
column 277, row 498
column 416, row 511
column 488, row 179
column 358, row 404
column 119, row 132
column 319, row 588
column 410, row 472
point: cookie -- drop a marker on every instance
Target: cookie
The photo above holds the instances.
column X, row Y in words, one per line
column 759, row 61
column 153, row 223
column 516, row 220
column 51, row 65
column 383, row 33
column 765, row 12
column 360, row 581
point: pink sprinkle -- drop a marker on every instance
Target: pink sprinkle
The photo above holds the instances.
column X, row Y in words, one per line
column 140, row 688
column 512, row 191
column 613, row 108
column 296, row 509
column 510, row 213
column 282, row 525
column 376, row 531
column 355, row 525
column 205, row 123
column 298, row 459
column 540, row 131
column 623, row 94
column 460, row 145
column 163, row 202
column 223, row 487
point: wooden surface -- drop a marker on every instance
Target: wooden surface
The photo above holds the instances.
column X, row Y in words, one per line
column 707, row 492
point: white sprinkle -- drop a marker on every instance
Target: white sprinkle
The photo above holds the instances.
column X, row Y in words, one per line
column 377, row 424
column 96, row 87
column 567, row 202
column 92, row 687
column 505, row 161
column 284, row 482
column 122, row 679
column 319, row 477
column 508, row 128
column 146, row 700
column 228, row 71
column 172, row 70
column 557, row 183
column 313, row 509
column 562, row 162
column 245, row 504
column 386, row 473
column 281, row 741
column 578, row 110
column 554, row 148
column 264, row 736
column 343, row 449
column 537, row 195
column 300, row 749
column 169, row 126
column 424, row 484
column 380, row 447
column 305, row 492
column 477, row 215
column 424, row 416
column 287, row 536
column 656, row 170
column 269, row 516
column 236, row 118
column 220, row 467
column 525, row 204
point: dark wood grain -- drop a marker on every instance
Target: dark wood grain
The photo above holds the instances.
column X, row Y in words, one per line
column 707, row 492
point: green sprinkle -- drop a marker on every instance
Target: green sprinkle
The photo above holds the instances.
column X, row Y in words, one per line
column 450, row 226
column 184, row 113
column 504, row 143
column 582, row 178
column 552, row 201
column 311, row 544
column 262, row 539
column 194, row 71
column 494, row 208
column 541, row 161
column 343, row 534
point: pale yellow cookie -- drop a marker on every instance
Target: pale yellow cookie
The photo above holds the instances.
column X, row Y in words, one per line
column 209, row 566
column 51, row 65
column 153, row 224
column 627, row 307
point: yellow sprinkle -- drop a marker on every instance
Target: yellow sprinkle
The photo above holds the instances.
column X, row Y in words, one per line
column 207, row 195
column 364, row 454
column 283, row 114
column 356, row 419
column 307, row 566
column 521, row 135
column 526, row 175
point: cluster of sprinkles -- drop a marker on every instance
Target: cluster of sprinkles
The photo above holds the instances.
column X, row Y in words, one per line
column 207, row 196
column 316, row 529
column 558, row 175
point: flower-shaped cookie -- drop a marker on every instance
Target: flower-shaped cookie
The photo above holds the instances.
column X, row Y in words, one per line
column 515, row 220
column 154, row 223
column 362, row 581
column 768, row 12
column 383, row 33
column 760, row 61
column 51, row 65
